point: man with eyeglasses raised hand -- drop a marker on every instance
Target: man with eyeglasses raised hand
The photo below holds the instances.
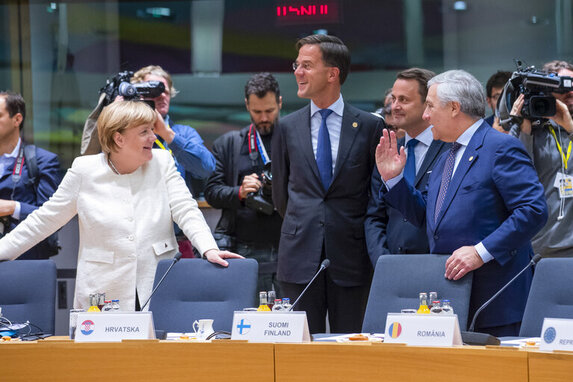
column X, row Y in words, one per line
column 322, row 159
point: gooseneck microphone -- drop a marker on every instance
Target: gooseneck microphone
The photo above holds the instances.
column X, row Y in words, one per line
column 472, row 338
column 325, row 263
column 176, row 258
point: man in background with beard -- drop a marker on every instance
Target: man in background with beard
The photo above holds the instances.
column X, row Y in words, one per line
column 249, row 224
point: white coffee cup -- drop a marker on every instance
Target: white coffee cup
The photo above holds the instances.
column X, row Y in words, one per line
column 203, row 328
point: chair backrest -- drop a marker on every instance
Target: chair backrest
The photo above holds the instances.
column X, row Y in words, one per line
column 398, row 281
column 28, row 292
column 196, row 289
column 550, row 295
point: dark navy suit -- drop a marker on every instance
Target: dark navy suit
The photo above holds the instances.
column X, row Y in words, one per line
column 495, row 198
column 25, row 192
column 386, row 229
column 328, row 223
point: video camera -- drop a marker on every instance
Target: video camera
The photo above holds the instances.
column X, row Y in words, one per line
column 120, row 85
column 536, row 86
column 262, row 200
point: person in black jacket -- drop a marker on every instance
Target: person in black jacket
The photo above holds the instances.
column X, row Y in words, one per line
column 249, row 224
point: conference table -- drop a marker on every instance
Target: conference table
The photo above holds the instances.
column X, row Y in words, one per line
column 59, row 359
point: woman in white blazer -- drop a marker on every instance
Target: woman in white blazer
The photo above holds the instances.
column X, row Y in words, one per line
column 126, row 199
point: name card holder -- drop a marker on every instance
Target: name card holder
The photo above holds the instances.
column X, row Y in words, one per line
column 291, row 327
column 423, row 329
column 114, row 326
column 556, row 334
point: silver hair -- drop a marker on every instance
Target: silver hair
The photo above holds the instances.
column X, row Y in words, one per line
column 461, row 87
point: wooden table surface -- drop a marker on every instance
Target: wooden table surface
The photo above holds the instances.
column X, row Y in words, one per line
column 59, row 359
column 389, row 362
column 136, row 360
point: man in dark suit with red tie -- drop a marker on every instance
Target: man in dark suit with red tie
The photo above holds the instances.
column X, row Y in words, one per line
column 322, row 160
column 484, row 201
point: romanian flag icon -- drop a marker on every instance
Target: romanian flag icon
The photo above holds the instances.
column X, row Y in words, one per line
column 395, row 329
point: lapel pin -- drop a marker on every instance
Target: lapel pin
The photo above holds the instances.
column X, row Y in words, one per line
column 355, row 124
column 471, row 158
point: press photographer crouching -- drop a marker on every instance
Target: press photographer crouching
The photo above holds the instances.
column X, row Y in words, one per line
column 541, row 105
column 241, row 184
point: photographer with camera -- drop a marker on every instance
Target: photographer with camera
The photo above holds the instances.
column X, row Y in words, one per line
column 549, row 142
column 241, row 182
column 28, row 175
column 192, row 158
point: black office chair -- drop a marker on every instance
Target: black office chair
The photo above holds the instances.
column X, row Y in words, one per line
column 197, row 289
column 28, row 293
column 398, row 281
column 550, row 295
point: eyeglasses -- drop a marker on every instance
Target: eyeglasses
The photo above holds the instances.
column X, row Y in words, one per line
column 305, row 66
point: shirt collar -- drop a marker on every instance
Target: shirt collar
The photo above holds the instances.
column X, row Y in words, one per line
column 426, row 137
column 337, row 107
column 14, row 153
column 467, row 135
column 166, row 119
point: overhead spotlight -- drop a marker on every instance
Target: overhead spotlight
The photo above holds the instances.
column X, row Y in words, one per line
column 460, row 6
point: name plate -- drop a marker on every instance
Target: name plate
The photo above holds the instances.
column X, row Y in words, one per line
column 114, row 326
column 556, row 334
column 270, row 327
column 423, row 329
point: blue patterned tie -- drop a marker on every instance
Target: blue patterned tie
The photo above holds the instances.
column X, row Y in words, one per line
column 410, row 169
column 446, row 177
column 323, row 151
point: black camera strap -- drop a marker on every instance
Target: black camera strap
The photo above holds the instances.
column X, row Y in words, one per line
column 18, row 166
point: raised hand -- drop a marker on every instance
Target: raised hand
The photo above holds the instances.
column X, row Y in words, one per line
column 389, row 161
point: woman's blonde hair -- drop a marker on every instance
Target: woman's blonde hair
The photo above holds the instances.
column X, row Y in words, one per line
column 120, row 116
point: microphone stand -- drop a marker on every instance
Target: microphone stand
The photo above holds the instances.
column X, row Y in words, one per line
column 472, row 338
column 325, row 263
column 175, row 259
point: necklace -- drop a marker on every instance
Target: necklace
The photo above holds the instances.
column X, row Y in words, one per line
column 112, row 166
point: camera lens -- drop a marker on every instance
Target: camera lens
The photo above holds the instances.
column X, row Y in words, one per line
column 127, row 90
column 542, row 106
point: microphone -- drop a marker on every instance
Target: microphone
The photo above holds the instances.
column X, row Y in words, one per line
column 472, row 338
column 325, row 263
column 175, row 259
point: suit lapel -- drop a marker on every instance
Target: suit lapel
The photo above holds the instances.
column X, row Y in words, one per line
column 468, row 159
column 302, row 126
column 431, row 156
column 350, row 126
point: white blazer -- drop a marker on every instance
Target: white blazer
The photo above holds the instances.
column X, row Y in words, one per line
column 125, row 223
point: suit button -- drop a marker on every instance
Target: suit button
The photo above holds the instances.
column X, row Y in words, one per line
column 321, row 224
column 400, row 250
column 405, row 219
column 436, row 237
